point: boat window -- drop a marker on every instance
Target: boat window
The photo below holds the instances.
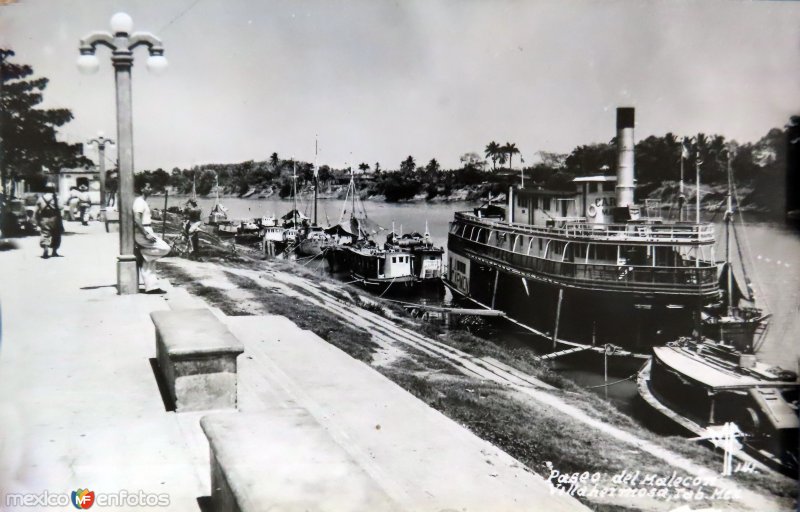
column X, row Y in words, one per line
column 394, row 260
column 592, row 187
column 545, row 203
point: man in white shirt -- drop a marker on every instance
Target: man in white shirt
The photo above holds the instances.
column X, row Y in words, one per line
column 151, row 246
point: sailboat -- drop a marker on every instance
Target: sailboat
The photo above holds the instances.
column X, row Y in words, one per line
column 736, row 320
column 709, row 383
column 218, row 214
column 314, row 240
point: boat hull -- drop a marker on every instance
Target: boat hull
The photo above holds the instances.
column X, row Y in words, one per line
column 632, row 321
column 688, row 404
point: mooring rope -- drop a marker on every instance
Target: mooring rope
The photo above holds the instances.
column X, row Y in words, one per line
column 612, row 383
column 387, row 288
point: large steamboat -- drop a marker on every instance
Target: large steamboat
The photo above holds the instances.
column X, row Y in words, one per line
column 589, row 266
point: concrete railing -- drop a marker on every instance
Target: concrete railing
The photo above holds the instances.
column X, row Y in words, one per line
column 197, row 357
column 282, row 459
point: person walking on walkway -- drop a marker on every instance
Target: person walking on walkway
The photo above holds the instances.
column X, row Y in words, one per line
column 48, row 216
column 151, row 247
column 84, row 203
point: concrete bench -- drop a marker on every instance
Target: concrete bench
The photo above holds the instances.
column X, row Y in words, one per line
column 283, row 460
column 197, row 356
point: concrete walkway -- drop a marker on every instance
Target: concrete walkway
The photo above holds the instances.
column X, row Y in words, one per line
column 80, row 406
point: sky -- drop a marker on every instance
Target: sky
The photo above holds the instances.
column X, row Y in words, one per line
column 378, row 80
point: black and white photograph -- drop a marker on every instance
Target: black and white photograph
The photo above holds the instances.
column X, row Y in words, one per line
column 409, row 255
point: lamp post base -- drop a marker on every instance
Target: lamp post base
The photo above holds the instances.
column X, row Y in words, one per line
column 127, row 275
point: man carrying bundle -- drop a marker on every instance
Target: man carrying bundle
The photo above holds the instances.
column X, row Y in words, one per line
column 151, row 247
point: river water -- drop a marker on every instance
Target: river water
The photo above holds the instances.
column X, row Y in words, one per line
column 775, row 269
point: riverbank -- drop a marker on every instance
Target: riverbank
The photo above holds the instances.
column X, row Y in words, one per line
column 506, row 397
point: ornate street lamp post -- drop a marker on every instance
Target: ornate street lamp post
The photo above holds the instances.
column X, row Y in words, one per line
column 122, row 43
column 101, row 150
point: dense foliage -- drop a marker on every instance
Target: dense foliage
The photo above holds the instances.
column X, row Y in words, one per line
column 759, row 167
column 30, row 145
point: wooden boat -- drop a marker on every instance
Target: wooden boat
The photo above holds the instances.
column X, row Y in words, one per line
column 426, row 259
column 314, row 241
column 227, row 228
column 380, row 269
column 703, row 385
column 218, row 214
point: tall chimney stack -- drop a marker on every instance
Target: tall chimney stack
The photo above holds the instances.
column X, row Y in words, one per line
column 625, row 176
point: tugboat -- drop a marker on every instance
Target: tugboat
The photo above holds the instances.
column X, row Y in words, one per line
column 380, row 269
column 426, row 259
column 589, row 269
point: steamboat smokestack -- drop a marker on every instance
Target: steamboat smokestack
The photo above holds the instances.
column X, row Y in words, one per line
column 625, row 175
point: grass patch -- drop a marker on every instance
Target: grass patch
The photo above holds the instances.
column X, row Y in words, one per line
column 328, row 326
column 213, row 296
column 529, row 431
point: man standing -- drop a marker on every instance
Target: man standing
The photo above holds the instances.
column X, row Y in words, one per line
column 84, row 203
column 150, row 246
column 48, row 216
column 192, row 224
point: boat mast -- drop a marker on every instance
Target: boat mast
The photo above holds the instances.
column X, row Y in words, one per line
column 697, row 199
column 728, row 221
column 681, row 197
column 316, row 178
column 294, row 191
column 350, row 190
column 216, row 186
column 353, row 184
column 194, row 190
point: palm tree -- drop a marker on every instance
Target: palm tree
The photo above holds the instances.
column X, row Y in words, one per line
column 510, row 149
column 433, row 166
column 492, row 152
column 363, row 166
column 274, row 160
column 408, row 165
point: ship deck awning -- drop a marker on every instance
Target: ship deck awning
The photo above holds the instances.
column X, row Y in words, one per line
column 714, row 377
column 593, row 179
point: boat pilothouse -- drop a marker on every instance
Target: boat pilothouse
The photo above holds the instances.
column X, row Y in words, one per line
column 587, row 266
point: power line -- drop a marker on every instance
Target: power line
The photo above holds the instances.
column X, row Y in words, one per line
column 179, row 15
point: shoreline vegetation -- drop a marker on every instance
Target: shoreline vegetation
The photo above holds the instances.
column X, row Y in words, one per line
column 458, row 374
column 759, row 168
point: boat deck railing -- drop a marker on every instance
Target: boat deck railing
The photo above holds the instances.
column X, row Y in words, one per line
column 647, row 232
column 701, row 279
